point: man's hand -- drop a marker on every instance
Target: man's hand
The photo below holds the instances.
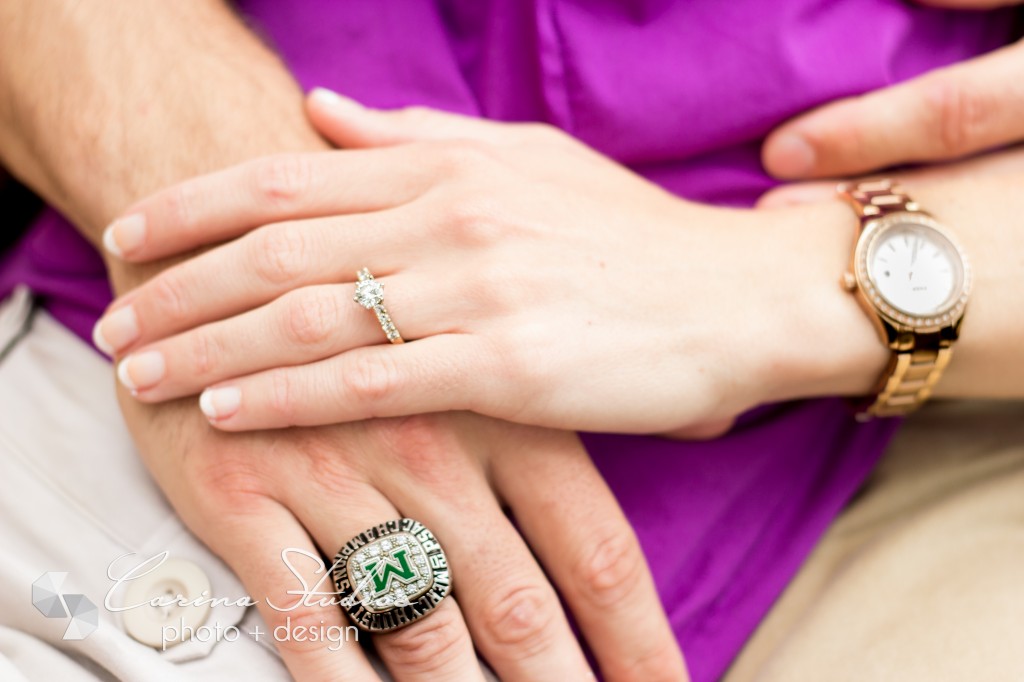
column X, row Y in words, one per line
column 945, row 114
column 249, row 496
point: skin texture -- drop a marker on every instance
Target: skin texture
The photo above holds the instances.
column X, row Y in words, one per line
column 98, row 109
column 588, row 231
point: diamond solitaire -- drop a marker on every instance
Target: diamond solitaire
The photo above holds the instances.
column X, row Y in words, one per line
column 370, row 295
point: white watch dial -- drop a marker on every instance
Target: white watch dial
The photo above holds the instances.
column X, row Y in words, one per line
column 916, row 269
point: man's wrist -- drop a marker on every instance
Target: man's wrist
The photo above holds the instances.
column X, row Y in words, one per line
column 92, row 131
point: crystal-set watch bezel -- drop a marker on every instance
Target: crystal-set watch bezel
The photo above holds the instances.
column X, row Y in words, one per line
column 946, row 316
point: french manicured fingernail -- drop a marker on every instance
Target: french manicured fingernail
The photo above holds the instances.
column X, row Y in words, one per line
column 142, row 371
column 332, row 100
column 99, row 341
column 116, row 330
column 220, row 403
column 125, row 235
column 793, row 156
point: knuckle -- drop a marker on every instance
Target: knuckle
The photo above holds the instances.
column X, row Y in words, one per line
column 473, row 222
column 429, row 645
column 280, row 254
column 465, row 157
column 520, row 617
column 610, row 568
column 495, row 287
column 232, row 482
column 205, row 351
column 169, row 296
column 281, row 398
column 422, row 445
column 415, row 115
column 337, row 472
column 417, row 432
column 709, row 430
column 962, row 113
column 181, row 206
column 283, row 179
column 506, row 363
column 489, row 285
column 371, row 378
column 313, row 317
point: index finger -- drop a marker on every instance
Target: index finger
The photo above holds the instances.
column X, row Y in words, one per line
column 223, row 205
column 944, row 114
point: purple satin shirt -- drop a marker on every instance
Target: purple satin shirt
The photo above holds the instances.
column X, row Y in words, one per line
column 682, row 92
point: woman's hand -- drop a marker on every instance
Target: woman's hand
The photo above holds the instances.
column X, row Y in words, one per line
column 945, row 114
column 540, row 282
column 250, row 496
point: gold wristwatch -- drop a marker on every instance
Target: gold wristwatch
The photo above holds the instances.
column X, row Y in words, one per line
column 912, row 277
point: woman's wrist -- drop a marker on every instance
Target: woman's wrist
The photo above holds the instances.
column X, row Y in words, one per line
column 819, row 340
column 827, row 347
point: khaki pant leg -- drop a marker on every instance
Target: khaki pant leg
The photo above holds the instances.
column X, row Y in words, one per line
column 922, row 577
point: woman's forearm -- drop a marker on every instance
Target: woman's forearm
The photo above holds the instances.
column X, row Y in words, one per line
column 831, row 343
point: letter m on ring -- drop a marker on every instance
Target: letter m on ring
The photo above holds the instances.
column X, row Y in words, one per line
column 388, row 567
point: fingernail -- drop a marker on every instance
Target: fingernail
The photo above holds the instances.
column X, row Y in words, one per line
column 331, row 99
column 99, row 341
column 142, row 371
column 116, row 330
column 125, row 235
column 220, row 403
column 792, row 156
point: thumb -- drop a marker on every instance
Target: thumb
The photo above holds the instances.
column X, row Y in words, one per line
column 944, row 114
column 1001, row 163
column 348, row 124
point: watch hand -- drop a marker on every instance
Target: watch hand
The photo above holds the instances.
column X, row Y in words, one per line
column 913, row 253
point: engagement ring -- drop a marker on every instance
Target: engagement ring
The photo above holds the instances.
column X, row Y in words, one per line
column 370, row 295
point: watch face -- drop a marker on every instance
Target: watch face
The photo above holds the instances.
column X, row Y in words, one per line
column 916, row 272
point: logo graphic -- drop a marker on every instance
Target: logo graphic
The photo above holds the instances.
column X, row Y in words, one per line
column 389, row 570
column 382, row 577
column 50, row 601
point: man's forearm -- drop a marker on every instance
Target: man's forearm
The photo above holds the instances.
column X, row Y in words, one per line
column 101, row 106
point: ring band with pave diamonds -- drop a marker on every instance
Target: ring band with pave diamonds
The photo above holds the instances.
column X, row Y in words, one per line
column 391, row 575
column 370, row 295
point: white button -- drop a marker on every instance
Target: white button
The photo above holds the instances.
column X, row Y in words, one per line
column 165, row 623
